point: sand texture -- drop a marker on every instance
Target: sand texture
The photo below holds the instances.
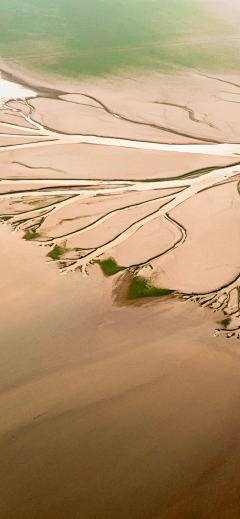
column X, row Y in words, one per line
column 114, row 404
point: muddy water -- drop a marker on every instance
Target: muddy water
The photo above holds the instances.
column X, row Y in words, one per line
column 111, row 412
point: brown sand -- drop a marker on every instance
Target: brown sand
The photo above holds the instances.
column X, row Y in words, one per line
column 126, row 412
column 111, row 411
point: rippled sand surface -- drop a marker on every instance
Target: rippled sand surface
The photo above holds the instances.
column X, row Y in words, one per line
column 114, row 407
column 111, row 411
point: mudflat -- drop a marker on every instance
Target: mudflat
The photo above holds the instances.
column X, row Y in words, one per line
column 120, row 283
column 111, row 411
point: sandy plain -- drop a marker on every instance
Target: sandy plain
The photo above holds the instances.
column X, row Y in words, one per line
column 120, row 410
column 111, row 411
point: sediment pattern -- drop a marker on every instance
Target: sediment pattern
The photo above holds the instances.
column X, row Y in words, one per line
column 42, row 199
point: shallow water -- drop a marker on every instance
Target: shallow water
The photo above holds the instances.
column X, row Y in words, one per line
column 97, row 38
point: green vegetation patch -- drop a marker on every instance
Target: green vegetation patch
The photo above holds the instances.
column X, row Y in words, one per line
column 188, row 110
column 196, row 172
column 36, row 202
column 110, row 266
column 140, row 287
column 57, row 252
column 226, row 322
column 32, row 236
column 6, row 218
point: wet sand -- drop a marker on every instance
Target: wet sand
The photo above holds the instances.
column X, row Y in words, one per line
column 127, row 411
column 106, row 411
column 221, row 207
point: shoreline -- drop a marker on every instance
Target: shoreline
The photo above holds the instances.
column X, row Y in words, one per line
column 60, row 85
column 38, row 80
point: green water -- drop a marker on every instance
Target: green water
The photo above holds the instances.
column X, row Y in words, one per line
column 98, row 37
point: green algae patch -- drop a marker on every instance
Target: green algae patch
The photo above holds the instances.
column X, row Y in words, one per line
column 110, row 266
column 57, row 252
column 140, row 287
column 226, row 322
column 32, row 236
column 36, row 202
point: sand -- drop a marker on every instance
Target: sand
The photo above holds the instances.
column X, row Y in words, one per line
column 83, row 212
column 104, row 162
column 149, row 241
column 114, row 408
column 111, row 411
column 211, row 249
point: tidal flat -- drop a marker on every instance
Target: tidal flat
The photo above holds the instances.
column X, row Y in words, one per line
column 120, row 282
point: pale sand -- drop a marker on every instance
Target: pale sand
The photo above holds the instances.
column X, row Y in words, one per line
column 13, row 119
column 152, row 239
column 85, row 119
column 107, row 411
column 210, row 256
column 16, row 140
column 113, row 226
column 14, row 206
column 135, row 97
column 74, row 118
column 102, row 162
column 126, row 412
column 85, row 211
column 10, row 90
